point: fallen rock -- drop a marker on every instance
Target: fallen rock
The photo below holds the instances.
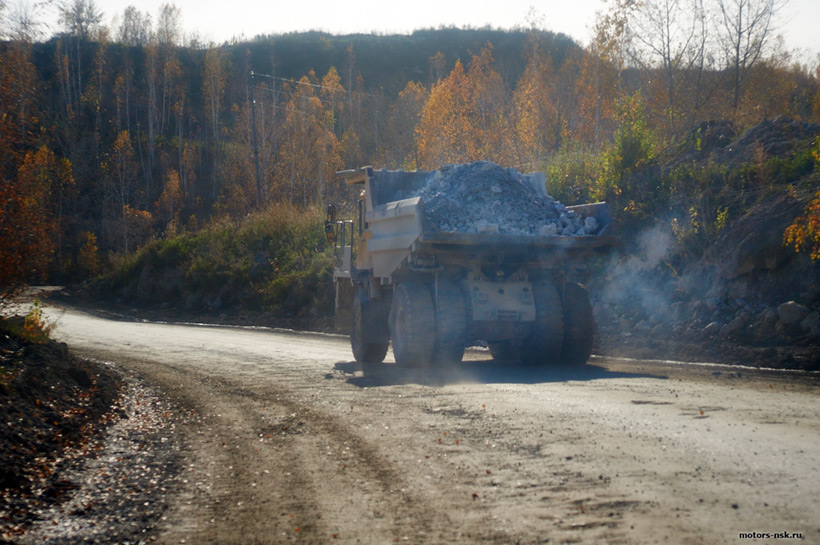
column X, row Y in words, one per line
column 643, row 325
column 713, row 328
column 769, row 315
column 733, row 327
column 811, row 324
column 791, row 313
column 626, row 323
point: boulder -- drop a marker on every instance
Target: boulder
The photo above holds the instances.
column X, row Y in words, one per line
column 811, row 324
column 791, row 313
column 712, row 329
column 733, row 327
column 769, row 315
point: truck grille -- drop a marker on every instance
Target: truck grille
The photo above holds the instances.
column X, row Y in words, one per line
column 508, row 315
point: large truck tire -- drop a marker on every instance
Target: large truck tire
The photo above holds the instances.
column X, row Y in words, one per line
column 544, row 345
column 451, row 323
column 579, row 325
column 367, row 330
column 412, row 324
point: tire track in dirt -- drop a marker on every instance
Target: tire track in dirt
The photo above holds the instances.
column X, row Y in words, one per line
column 617, row 452
column 268, row 468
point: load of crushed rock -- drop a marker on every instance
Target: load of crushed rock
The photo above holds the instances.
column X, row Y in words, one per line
column 483, row 197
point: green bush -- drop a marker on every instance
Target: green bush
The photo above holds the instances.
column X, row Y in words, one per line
column 277, row 260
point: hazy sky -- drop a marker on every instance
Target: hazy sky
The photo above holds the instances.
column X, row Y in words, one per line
column 220, row 20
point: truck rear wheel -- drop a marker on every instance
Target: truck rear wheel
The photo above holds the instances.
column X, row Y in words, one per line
column 412, row 324
column 451, row 323
column 544, row 345
column 365, row 323
column 579, row 325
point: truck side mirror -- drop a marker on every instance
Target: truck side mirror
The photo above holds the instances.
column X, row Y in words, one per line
column 330, row 224
column 330, row 233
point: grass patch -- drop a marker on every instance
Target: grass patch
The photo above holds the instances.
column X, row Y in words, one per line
column 276, row 260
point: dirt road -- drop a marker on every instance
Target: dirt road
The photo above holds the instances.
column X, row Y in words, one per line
column 287, row 442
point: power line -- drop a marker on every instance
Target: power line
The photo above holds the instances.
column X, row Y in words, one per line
column 278, row 93
column 315, row 85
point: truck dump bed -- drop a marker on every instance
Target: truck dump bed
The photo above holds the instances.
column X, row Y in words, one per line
column 397, row 227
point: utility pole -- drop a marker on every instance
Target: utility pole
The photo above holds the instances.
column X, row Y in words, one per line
column 255, row 147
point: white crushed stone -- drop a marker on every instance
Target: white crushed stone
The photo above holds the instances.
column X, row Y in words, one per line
column 485, row 198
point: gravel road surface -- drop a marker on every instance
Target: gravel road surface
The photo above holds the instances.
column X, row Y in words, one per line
column 280, row 438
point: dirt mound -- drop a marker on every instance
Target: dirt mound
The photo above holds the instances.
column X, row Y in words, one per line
column 771, row 138
column 721, row 297
column 50, row 403
column 483, row 197
column 719, row 142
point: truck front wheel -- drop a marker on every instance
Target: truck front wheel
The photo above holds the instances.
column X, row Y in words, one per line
column 365, row 324
column 412, row 324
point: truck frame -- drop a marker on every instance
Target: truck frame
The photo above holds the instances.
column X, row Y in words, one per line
column 433, row 293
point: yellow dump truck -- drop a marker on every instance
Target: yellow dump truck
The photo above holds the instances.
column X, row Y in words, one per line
column 400, row 277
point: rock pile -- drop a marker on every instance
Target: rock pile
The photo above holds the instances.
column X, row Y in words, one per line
column 483, row 197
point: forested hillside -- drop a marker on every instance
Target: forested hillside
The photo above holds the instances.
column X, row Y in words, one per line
column 113, row 137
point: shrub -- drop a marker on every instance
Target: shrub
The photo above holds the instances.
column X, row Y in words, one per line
column 804, row 232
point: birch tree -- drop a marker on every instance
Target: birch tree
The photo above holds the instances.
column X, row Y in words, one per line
column 745, row 28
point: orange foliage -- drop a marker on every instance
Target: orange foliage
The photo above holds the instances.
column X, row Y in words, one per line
column 36, row 328
column 136, row 227
column 400, row 148
column 804, row 232
column 444, row 133
column 309, row 155
column 465, row 118
column 26, row 223
column 88, row 262
column 170, row 200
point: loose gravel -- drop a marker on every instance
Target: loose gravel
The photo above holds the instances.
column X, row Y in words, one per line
column 483, row 197
column 118, row 489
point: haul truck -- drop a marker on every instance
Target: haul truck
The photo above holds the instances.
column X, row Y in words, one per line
column 433, row 293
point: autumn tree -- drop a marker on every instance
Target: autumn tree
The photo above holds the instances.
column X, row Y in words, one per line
column 27, row 224
column 167, row 39
column 333, row 96
column 437, row 67
column 134, row 32
column 309, row 152
column 489, row 107
column 135, row 27
column 804, row 232
column 533, row 109
column 546, row 103
column 667, row 40
column 745, row 29
column 18, row 89
column 260, row 126
column 169, row 204
column 466, row 116
column 444, row 133
column 81, row 20
column 122, row 173
column 51, row 176
column 632, row 149
column 402, row 149
column 214, row 80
